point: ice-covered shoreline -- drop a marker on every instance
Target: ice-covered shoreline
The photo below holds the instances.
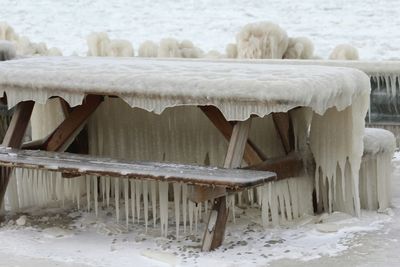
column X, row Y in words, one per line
column 209, row 24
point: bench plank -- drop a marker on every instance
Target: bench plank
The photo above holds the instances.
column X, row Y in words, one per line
column 232, row 179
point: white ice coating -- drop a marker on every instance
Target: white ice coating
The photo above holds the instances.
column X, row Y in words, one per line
column 335, row 139
column 238, row 89
column 378, row 141
column 376, row 169
column 160, row 138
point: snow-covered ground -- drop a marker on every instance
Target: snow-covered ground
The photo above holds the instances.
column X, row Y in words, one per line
column 372, row 26
column 67, row 237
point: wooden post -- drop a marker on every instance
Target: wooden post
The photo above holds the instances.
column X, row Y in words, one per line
column 215, row 230
column 252, row 154
column 66, row 132
column 283, row 125
column 13, row 138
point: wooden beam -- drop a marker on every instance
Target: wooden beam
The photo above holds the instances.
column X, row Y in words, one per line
column 66, row 132
column 18, row 125
column 252, row 154
column 237, row 144
column 283, row 125
column 198, row 194
column 13, row 138
column 284, row 167
column 215, row 230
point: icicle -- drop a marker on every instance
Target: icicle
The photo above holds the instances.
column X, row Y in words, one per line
column 177, row 200
column 293, row 191
column 273, row 204
column 133, row 197
column 264, row 206
column 116, row 197
column 78, row 193
column 184, row 206
column 191, row 213
column 146, row 203
column 126, row 200
column 103, row 189
column 163, row 198
column 286, row 197
column 88, row 192
column 232, row 204
column 95, row 191
column 138, row 187
column 153, row 188
column 108, row 191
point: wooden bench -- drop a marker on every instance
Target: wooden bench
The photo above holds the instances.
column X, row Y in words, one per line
column 216, row 182
column 74, row 164
column 205, row 183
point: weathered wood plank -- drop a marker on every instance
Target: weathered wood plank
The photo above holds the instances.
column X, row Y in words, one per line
column 215, row 230
column 66, row 132
column 284, row 128
column 284, row 167
column 198, row 194
column 252, row 154
column 233, row 179
column 237, row 144
column 19, row 122
column 13, row 138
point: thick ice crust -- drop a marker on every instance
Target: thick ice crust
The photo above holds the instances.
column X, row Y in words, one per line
column 238, row 89
column 378, row 141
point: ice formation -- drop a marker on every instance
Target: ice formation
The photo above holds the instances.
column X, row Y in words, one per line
column 299, row 48
column 160, row 137
column 169, row 47
column 376, row 169
column 23, row 45
column 344, row 52
column 7, row 32
column 7, row 50
column 120, row 48
column 148, row 49
column 231, row 51
column 261, row 40
column 188, row 50
column 238, row 90
column 337, row 148
column 98, row 44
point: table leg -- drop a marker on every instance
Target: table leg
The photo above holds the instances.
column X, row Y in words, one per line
column 215, row 230
column 14, row 137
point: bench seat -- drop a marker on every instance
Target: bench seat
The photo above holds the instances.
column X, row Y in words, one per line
column 74, row 164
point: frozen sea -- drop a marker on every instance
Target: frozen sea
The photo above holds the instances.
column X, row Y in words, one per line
column 371, row 26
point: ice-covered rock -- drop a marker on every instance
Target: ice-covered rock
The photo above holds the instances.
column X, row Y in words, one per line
column 21, row 221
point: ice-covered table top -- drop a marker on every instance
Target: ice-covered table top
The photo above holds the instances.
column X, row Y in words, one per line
column 238, row 89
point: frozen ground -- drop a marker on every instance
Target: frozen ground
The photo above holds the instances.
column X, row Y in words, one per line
column 372, row 26
column 66, row 237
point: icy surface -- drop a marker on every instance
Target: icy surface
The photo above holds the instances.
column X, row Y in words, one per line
column 378, row 141
column 237, row 89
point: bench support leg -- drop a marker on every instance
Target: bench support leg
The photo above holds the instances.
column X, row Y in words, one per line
column 283, row 125
column 13, row 138
column 215, row 230
column 252, row 154
column 67, row 131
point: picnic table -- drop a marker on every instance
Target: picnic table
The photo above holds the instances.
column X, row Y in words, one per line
column 230, row 94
